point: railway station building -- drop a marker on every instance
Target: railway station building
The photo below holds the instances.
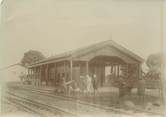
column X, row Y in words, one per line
column 104, row 59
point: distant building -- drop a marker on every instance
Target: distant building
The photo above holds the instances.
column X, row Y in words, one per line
column 13, row 73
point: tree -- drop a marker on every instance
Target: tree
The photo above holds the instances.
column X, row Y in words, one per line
column 31, row 56
column 154, row 62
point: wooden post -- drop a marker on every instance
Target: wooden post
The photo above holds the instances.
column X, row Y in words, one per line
column 40, row 74
column 118, row 70
column 46, row 74
column 87, row 68
column 71, row 69
column 127, row 70
column 41, row 77
column 64, row 65
column 28, row 75
column 111, row 70
column 35, row 76
column 32, row 76
column 115, row 70
column 54, row 73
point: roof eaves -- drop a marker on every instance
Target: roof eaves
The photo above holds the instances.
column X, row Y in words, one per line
column 127, row 51
column 48, row 61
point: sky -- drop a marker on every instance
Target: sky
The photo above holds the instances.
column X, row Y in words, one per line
column 55, row 26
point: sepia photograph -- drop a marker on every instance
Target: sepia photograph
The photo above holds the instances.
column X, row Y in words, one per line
column 82, row 58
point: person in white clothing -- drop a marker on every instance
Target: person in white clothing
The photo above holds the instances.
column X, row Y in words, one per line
column 89, row 84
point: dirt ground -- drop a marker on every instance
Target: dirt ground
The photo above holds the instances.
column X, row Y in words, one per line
column 11, row 110
column 150, row 102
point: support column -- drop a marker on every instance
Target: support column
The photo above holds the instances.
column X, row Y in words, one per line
column 54, row 73
column 118, row 70
column 35, row 76
column 32, row 77
column 45, row 70
column 71, row 69
column 64, row 65
column 87, row 68
column 127, row 70
column 28, row 75
column 40, row 75
column 115, row 71
column 111, row 70
column 46, row 74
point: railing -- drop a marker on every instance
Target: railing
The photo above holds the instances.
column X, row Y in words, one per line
column 151, row 82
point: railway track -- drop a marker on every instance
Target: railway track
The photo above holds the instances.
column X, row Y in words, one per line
column 37, row 108
column 21, row 107
column 63, row 97
column 67, row 98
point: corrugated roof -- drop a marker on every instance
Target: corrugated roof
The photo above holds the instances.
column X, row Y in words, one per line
column 82, row 50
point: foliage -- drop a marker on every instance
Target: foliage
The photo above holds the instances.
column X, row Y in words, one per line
column 128, row 77
column 154, row 62
column 31, row 56
column 153, row 76
column 127, row 80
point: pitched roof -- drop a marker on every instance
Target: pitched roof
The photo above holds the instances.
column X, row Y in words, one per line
column 82, row 50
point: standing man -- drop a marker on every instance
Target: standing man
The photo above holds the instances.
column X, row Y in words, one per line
column 94, row 82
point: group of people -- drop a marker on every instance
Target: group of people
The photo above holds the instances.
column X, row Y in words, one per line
column 90, row 84
column 86, row 85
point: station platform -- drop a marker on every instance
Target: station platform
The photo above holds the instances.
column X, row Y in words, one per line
column 108, row 97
